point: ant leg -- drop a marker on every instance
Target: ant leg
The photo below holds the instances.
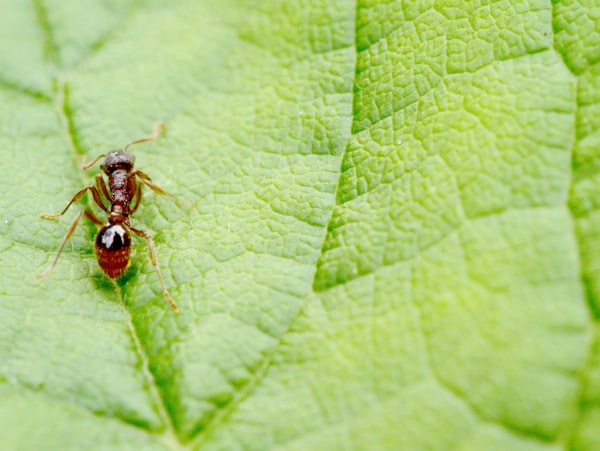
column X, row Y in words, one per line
column 146, row 180
column 102, row 185
column 155, row 132
column 92, row 163
column 154, row 260
column 138, row 199
column 92, row 217
column 62, row 246
column 76, row 197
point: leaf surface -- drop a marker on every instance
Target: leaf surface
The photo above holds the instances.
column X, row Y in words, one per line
column 383, row 235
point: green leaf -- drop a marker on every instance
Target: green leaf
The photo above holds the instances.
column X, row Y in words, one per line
column 384, row 232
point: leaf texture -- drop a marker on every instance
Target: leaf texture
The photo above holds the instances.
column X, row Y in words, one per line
column 383, row 232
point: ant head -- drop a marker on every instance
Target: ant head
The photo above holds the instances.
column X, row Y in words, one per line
column 118, row 159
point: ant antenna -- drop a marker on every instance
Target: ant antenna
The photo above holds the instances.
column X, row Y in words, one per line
column 93, row 162
column 156, row 128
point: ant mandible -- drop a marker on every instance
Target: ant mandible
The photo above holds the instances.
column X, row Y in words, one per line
column 124, row 193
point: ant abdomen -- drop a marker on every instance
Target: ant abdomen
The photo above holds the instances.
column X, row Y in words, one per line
column 113, row 246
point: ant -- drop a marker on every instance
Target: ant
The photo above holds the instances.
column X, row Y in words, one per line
column 113, row 242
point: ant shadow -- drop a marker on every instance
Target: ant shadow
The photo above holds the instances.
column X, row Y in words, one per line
column 130, row 273
column 106, row 285
column 102, row 283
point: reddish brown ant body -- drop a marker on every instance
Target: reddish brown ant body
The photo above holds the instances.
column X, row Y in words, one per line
column 124, row 193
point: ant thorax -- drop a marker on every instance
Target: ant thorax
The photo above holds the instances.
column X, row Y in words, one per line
column 122, row 187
